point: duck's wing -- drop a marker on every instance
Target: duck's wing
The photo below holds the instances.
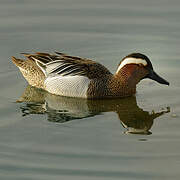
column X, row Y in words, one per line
column 65, row 65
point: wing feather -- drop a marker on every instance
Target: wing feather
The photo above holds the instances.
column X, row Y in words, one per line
column 65, row 65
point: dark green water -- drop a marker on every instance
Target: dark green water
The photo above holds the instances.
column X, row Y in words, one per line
column 50, row 137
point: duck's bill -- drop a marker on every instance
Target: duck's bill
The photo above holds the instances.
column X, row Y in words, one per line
column 152, row 75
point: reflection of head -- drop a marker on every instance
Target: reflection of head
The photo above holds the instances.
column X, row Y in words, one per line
column 63, row 109
column 139, row 121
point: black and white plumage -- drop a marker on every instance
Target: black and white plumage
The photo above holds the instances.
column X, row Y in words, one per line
column 67, row 75
column 65, row 65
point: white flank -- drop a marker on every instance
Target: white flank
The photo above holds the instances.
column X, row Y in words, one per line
column 131, row 61
column 72, row 86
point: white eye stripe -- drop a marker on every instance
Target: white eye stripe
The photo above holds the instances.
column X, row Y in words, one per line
column 132, row 61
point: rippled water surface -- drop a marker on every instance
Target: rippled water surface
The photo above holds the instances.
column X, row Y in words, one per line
column 43, row 136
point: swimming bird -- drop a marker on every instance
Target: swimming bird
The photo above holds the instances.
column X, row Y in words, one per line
column 65, row 75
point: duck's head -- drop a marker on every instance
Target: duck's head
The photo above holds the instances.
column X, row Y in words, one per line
column 137, row 66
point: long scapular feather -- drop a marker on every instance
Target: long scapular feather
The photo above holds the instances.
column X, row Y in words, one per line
column 41, row 65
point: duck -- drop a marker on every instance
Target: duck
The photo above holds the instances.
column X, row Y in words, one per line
column 71, row 76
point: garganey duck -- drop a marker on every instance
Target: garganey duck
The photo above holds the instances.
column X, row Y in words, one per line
column 71, row 76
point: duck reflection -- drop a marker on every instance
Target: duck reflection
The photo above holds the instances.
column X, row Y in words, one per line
column 62, row 109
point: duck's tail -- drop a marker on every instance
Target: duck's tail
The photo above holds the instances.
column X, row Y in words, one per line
column 17, row 62
column 31, row 72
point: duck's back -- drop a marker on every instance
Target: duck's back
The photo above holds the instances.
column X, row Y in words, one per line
column 61, row 74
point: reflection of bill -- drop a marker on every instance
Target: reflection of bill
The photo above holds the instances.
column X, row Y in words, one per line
column 63, row 109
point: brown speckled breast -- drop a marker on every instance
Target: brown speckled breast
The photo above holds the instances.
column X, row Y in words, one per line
column 122, row 84
column 109, row 88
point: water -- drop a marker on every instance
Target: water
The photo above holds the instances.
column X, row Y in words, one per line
column 50, row 137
